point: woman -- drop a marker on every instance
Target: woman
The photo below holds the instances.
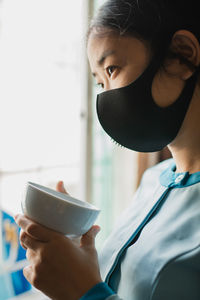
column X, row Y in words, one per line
column 146, row 56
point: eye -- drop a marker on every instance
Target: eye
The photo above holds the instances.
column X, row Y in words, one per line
column 100, row 87
column 110, row 70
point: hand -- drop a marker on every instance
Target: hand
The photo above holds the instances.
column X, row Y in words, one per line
column 58, row 266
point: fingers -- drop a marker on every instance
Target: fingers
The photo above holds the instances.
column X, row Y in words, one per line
column 88, row 239
column 30, row 255
column 28, row 242
column 34, row 229
column 60, row 187
column 20, row 238
column 29, row 274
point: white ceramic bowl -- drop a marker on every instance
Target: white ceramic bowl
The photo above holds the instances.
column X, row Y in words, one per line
column 58, row 211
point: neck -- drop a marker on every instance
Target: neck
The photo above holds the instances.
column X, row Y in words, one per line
column 185, row 149
column 186, row 160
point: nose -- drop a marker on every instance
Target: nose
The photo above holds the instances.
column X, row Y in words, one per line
column 107, row 86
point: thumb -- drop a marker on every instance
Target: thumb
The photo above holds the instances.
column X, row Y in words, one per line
column 60, row 187
column 88, row 239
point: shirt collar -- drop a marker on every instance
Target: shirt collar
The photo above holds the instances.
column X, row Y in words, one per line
column 169, row 178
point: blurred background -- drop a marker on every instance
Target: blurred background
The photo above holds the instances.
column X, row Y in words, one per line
column 48, row 125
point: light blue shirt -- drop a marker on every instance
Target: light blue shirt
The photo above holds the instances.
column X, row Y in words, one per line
column 154, row 251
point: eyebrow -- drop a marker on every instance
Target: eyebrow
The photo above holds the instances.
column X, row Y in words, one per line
column 103, row 57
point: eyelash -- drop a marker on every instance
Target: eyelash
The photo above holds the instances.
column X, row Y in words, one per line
column 109, row 68
column 101, row 85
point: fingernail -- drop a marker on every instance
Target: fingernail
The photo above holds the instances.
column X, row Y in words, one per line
column 96, row 230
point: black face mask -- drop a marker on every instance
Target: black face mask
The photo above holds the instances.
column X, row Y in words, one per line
column 131, row 117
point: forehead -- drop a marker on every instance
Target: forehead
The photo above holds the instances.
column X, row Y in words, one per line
column 97, row 45
column 122, row 46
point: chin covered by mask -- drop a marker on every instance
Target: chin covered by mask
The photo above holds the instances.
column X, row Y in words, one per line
column 131, row 117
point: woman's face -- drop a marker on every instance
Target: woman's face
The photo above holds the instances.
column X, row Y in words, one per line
column 117, row 61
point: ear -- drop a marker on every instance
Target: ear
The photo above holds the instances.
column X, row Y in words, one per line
column 187, row 46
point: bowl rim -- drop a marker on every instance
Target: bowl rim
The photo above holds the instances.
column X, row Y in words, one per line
column 40, row 188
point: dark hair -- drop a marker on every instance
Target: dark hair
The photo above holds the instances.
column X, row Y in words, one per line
column 154, row 21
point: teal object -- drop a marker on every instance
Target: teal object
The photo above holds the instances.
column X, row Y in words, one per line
column 12, row 281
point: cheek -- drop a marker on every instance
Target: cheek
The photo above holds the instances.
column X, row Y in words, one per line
column 166, row 89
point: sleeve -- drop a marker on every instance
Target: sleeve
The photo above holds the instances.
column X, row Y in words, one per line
column 101, row 291
column 179, row 279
